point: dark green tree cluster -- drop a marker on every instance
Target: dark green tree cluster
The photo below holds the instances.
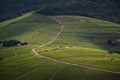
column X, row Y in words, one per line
column 13, row 8
column 1, row 58
column 11, row 43
column 102, row 9
column 113, row 42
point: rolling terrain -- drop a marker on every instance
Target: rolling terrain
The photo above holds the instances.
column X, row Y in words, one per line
column 59, row 48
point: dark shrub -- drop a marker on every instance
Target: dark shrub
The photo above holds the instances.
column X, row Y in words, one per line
column 110, row 42
column 1, row 58
column 110, row 52
column 10, row 43
column 1, row 42
column 24, row 43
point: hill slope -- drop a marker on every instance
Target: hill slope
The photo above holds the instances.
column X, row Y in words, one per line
column 82, row 42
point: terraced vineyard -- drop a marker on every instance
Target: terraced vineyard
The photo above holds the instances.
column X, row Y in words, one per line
column 82, row 42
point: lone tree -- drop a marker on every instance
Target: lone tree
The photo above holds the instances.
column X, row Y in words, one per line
column 110, row 42
column 1, row 42
column 1, row 58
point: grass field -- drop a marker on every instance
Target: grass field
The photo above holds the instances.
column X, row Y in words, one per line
column 83, row 42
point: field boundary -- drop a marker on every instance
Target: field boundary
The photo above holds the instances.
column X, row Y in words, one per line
column 49, row 58
column 47, row 43
column 73, row 64
column 56, row 72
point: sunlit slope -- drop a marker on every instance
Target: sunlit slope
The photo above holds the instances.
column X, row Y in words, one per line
column 27, row 27
column 86, row 56
column 88, row 32
column 78, row 43
column 32, row 28
column 84, row 42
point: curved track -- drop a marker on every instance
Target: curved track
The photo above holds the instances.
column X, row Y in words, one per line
column 49, row 58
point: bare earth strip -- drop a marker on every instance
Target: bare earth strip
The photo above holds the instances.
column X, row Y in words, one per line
column 87, row 67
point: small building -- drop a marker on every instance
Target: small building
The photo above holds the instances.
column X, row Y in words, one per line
column 113, row 42
column 117, row 40
column 19, row 44
column 22, row 43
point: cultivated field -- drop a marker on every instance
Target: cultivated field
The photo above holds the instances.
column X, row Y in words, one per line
column 80, row 52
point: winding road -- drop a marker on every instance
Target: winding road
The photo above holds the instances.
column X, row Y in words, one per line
column 77, row 65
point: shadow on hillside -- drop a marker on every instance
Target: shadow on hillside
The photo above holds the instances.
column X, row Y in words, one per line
column 99, row 35
column 62, row 13
column 14, row 29
column 23, row 26
column 100, row 39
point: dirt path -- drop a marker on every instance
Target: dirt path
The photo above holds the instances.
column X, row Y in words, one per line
column 87, row 67
column 15, row 53
column 47, row 43
column 52, row 40
column 55, row 36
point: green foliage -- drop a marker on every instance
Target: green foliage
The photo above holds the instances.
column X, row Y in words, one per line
column 103, row 9
column 86, row 56
column 11, row 43
column 73, row 45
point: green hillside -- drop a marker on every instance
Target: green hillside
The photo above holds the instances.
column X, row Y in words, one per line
column 80, row 52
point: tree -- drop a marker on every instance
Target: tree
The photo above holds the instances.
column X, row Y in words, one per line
column 1, row 58
column 11, row 43
column 110, row 42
